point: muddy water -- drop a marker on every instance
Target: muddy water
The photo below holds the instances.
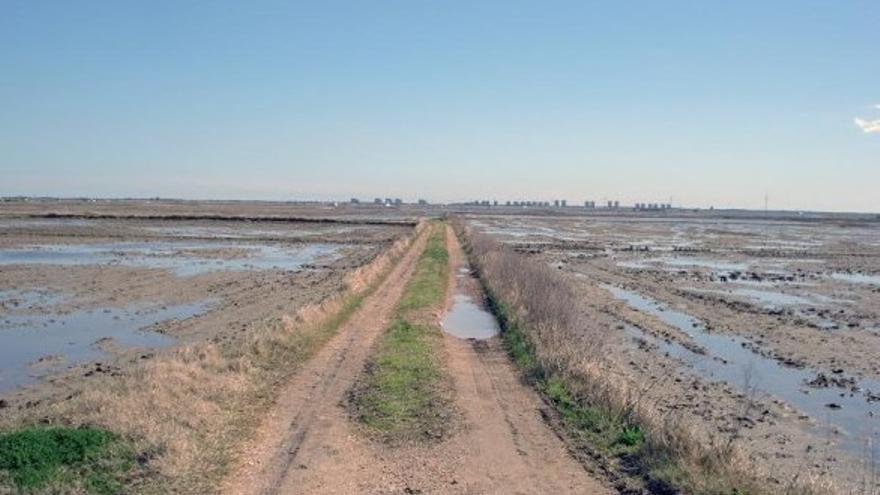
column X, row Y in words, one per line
column 467, row 319
column 857, row 278
column 769, row 298
column 34, row 345
column 41, row 223
column 28, row 300
column 183, row 258
column 729, row 360
column 239, row 232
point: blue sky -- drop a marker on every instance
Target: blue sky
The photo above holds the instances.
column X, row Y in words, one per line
column 705, row 102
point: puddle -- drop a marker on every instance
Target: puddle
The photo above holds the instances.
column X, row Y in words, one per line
column 766, row 297
column 71, row 338
column 37, row 223
column 183, row 258
column 657, row 264
column 857, row 278
column 243, row 232
column 856, row 418
column 705, row 263
column 18, row 300
column 468, row 320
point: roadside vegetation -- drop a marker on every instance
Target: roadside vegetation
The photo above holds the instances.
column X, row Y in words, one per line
column 172, row 423
column 61, row 459
column 401, row 395
column 559, row 349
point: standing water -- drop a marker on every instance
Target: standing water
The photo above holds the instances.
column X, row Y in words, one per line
column 853, row 412
column 468, row 319
column 32, row 345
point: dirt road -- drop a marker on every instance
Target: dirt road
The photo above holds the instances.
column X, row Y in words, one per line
column 310, row 445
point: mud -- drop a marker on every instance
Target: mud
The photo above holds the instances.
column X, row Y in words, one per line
column 782, row 332
column 111, row 287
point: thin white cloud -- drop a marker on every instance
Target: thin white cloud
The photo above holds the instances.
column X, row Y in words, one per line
column 868, row 126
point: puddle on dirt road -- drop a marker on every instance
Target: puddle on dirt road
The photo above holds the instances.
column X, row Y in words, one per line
column 731, row 361
column 27, row 340
column 183, row 258
column 469, row 320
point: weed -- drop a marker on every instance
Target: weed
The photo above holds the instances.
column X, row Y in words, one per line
column 65, row 459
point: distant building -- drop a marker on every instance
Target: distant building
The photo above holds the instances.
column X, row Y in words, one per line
column 377, row 201
column 422, row 202
column 563, row 203
column 355, row 201
column 398, row 201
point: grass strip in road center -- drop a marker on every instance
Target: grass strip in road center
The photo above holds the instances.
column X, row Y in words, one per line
column 401, row 396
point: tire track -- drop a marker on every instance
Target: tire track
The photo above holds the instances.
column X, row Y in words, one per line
column 265, row 465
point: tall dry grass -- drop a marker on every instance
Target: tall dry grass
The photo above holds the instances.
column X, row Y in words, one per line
column 188, row 409
column 565, row 344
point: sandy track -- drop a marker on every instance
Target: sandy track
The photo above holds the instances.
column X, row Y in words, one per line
column 267, row 463
column 501, row 445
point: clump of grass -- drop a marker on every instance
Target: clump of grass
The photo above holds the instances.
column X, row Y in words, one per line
column 400, row 395
column 65, row 460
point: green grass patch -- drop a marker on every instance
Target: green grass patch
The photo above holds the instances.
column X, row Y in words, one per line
column 400, row 396
column 427, row 288
column 64, row 460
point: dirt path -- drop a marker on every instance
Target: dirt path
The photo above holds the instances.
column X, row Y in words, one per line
column 505, row 447
column 502, row 445
column 304, row 405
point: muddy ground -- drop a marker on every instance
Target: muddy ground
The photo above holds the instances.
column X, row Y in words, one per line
column 779, row 329
column 126, row 289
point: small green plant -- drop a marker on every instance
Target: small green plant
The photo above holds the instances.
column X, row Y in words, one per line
column 64, row 459
column 630, row 436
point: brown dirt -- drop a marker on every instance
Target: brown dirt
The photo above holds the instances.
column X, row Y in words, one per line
column 309, row 444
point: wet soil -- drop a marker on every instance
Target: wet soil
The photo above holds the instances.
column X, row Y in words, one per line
column 111, row 290
column 773, row 286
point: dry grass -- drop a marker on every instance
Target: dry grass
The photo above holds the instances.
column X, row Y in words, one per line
column 187, row 410
column 560, row 347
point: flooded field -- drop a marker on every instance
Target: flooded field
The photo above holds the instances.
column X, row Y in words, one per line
column 34, row 345
column 765, row 330
column 184, row 258
column 80, row 296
